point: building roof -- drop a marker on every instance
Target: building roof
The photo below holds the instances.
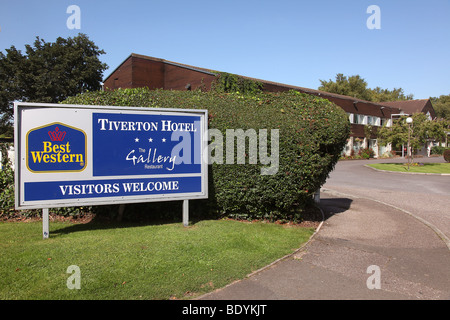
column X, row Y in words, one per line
column 135, row 55
column 319, row 93
column 408, row 106
column 215, row 72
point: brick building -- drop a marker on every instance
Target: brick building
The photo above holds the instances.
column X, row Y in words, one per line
column 144, row 71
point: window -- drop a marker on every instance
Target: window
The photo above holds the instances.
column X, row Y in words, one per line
column 357, row 145
column 385, row 122
column 350, row 117
column 368, row 120
column 363, row 119
column 359, row 119
column 373, row 121
column 389, row 123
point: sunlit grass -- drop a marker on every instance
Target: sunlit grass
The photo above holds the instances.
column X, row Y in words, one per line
column 415, row 167
column 162, row 261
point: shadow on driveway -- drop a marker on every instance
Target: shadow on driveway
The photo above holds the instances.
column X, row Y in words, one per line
column 332, row 206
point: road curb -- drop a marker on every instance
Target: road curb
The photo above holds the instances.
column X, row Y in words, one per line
column 422, row 173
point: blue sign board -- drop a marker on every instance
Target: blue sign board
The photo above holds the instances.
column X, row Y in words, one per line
column 86, row 155
column 132, row 144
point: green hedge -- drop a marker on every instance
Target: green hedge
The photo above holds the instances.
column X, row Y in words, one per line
column 312, row 133
column 7, row 194
column 447, row 155
column 6, row 183
column 438, row 150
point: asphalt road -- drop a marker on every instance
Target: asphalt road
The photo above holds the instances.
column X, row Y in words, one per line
column 424, row 196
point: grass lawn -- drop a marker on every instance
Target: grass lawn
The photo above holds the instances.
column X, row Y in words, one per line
column 164, row 261
column 423, row 168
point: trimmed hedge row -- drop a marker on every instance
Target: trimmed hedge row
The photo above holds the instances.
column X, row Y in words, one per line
column 312, row 133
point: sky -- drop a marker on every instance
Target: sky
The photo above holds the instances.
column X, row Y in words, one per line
column 292, row 42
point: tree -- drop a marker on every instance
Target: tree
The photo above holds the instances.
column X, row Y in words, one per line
column 396, row 135
column 442, row 106
column 422, row 130
column 380, row 95
column 436, row 129
column 48, row 72
column 355, row 86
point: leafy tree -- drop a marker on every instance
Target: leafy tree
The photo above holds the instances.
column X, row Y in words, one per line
column 380, row 95
column 422, row 129
column 355, row 86
column 396, row 135
column 441, row 105
column 48, row 72
column 436, row 129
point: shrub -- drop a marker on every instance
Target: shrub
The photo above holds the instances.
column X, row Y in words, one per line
column 447, row 155
column 312, row 133
column 367, row 153
column 227, row 82
column 6, row 184
column 388, row 154
column 7, row 194
column 438, row 150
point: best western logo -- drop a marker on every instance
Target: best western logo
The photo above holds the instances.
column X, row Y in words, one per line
column 56, row 147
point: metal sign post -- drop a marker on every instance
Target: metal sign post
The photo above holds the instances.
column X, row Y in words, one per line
column 45, row 224
column 185, row 213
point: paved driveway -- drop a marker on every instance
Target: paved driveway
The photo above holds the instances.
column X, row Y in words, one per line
column 358, row 234
column 362, row 231
column 424, row 196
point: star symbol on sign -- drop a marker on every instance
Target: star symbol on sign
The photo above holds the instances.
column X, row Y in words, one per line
column 163, row 139
column 136, row 140
column 150, row 140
